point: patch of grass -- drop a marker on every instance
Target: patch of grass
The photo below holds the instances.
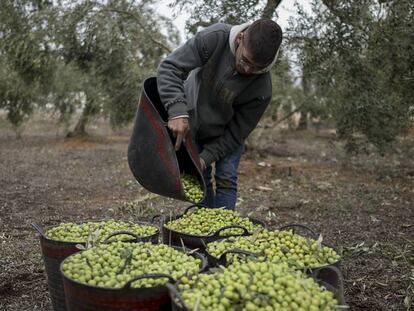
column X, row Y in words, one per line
column 4, row 124
column 144, row 207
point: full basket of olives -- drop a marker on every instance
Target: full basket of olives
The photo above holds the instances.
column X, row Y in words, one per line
column 58, row 242
column 125, row 276
column 200, row 225
column 254, row 286
column 301, row 252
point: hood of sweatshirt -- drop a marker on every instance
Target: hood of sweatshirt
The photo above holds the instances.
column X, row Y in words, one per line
column 234, row 31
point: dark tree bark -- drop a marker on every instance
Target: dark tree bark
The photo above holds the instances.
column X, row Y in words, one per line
column 270, row 8
column 80, row 127
column 303, row 121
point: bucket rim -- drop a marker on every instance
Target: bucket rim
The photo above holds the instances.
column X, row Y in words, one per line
column 73, row 244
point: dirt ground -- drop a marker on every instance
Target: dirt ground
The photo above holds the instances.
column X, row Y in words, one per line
column 362, row 205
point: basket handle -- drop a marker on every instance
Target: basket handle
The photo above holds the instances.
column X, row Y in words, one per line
column 198, row 205
column 238, row 251
column 148, row 276
column 293, row 226
column 136, row 237
column 162, row 218
column 217, row 233
column 38, row 229
column 175, row 294
column 331, row 278
column 155, row 217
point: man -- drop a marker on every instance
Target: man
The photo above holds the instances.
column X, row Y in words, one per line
column 218, row 85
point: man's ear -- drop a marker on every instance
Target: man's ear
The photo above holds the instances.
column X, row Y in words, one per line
column 239, row 38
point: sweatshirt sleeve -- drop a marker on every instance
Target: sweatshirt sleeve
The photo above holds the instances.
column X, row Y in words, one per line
column 174, row 69
column 244, row 120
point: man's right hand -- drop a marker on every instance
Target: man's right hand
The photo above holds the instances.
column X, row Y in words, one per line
column 179, row 127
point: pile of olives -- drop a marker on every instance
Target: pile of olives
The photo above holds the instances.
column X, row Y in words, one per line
column 255, row 286
column 113, row 265
column 206, row 221
column 192, row 188
column 71, row 232
column 278, row 246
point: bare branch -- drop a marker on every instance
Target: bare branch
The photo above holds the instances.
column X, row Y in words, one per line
column 270, row 8
column 138, row 21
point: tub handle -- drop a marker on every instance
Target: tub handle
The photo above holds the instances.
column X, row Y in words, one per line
column 148, row 276
column 38, row 229
column 245, row 231
column 136, row 237
column 293, row 226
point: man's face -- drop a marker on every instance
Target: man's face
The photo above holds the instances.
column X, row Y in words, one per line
column 243, row 57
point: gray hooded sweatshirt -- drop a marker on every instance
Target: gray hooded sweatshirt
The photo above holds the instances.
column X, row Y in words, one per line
column 199, row 80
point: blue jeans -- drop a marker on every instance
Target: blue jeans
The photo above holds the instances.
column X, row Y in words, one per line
column 225, row 177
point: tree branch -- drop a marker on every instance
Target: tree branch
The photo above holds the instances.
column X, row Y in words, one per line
column 289, row 115
column 138, row 21
column 270, row 8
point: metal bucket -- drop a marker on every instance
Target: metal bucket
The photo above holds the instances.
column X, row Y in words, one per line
column 336, row 287
column 199, row 242
column 54, row 252
column 82, row 297
column 151, row 154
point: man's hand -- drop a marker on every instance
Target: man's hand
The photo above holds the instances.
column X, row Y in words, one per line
column 179, row 127
column 203, row 164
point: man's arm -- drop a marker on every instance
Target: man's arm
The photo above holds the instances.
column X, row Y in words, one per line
column 174, row 69
column 242, row 124
column 172, row 73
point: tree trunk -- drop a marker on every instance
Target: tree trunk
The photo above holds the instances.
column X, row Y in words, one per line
column 303, row 121
column 80, row 127
column 270, row 8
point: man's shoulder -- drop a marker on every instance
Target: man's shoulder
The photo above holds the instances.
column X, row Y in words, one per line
column 218, row 29
column 215, row 37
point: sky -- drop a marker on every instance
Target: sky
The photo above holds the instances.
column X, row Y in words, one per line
column 284, row 11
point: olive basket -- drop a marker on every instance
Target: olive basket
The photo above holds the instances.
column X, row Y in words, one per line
column 198, row 242
column 80, row 297
column 297, row 228
column 54, row 252
column 336, row 286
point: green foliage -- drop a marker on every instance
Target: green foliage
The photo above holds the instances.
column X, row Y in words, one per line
column 67, row 92
column 285, row 94
column 116, row 44
column 357, row 58
column 16, row 98
column 207, row 12
column 25, row 57
column 60, row 52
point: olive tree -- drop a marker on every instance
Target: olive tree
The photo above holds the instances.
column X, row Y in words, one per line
column 115, row 44
column 358, row 57
column 26, row 58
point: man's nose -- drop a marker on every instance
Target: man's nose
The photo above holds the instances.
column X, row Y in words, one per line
column 247, row 68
